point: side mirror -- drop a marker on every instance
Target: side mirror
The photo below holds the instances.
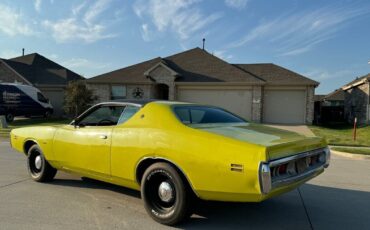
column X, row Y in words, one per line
column 76, row 124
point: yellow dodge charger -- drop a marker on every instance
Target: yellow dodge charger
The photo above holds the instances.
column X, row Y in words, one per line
column 174, row 152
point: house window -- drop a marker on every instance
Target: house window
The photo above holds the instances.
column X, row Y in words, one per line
column 118, row 92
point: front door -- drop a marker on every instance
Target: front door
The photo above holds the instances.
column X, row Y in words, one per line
column 84, row 146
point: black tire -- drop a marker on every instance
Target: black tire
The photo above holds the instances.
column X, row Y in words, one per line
column 9, row 117
column 47, row 114
column 41, row 171
column 170, row 209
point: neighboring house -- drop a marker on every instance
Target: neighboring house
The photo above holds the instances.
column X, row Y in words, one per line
column 329, row 108
column 258, row 92
column 356, row 100
column 33, row 69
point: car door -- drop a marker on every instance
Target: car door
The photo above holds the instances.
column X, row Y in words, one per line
column 125, row 146
column 84, row 146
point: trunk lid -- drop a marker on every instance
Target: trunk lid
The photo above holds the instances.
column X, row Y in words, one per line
column 279, row 143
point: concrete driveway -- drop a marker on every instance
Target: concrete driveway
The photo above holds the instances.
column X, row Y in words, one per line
column 337, row 199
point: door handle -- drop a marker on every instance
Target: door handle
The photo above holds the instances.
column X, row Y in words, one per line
column 103, row 136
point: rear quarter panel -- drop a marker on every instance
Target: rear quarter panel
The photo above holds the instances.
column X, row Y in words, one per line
column 204, row 158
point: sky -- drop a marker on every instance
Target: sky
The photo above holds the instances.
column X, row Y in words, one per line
column 327, row 41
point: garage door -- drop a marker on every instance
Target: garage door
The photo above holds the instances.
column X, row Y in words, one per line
column 236, row 101
column 56, row 99
column 284, row 106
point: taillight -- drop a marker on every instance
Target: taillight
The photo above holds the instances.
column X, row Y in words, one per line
column 282, row 169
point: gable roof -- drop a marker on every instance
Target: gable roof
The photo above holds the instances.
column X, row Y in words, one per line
column 195, row 65
column 39, row 70
column 276, row 75
column 337, row 95
column 130, row 74
column 318, row 97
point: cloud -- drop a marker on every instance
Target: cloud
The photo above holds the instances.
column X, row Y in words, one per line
column 223, row 55
column 83, row 63
column 85, row 67
column 179, row 16
column 13, row 23
column 298, row 33
column 77, row 9
column 10, row 54
column 145, row 33
column 37, row 5
column 87, row 27
column 319, row 74
column 236, row 4
column 95, row 11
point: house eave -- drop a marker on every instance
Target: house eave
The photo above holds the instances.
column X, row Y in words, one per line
column 354, row 84
column 14, row 71
column 219, row 83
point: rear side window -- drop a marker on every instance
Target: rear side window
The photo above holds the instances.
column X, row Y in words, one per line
column 205, row 115
column 128, row 113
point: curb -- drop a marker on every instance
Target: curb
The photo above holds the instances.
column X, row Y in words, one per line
column 351, row 155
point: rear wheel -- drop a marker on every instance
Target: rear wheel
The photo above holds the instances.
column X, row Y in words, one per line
column 38, row 167
column 166, row 197
column 9, row 117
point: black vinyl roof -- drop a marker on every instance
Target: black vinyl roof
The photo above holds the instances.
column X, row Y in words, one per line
column 141, row 102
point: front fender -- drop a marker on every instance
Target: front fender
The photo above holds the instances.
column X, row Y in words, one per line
column 43, row 136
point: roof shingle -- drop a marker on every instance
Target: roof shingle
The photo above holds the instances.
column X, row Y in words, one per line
column 197, row 65
column 276, row 75
column 41, row 71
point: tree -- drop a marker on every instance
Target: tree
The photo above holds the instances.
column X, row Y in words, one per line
column 78, row 98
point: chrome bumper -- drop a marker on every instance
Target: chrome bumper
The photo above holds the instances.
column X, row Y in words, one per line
column 269, row 183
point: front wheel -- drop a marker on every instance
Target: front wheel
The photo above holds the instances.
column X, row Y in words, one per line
column 38, row 167
column 166, row 196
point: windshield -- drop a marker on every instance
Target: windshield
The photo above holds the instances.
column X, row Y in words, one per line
column 205, row 115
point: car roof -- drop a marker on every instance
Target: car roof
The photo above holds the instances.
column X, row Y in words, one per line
column 141, row 102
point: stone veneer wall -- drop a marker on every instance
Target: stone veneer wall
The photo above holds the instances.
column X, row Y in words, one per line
column 103, row 91
column 100, row 90
column 162, row 75
column 356, row 104
column 6, row 75
column 257, row 104
column 310, row 104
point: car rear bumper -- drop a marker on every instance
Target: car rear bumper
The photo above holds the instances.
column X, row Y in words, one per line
column 293, row 169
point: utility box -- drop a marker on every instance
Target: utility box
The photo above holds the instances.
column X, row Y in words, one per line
column 3, row 123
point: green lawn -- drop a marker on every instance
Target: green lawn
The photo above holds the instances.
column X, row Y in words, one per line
column 352, row 150
column 31, row 122
column 343, row 135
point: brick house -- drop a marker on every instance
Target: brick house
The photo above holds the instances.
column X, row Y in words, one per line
column 259, row 92
column 36, row 70
column 356, row 100
column 329, row 108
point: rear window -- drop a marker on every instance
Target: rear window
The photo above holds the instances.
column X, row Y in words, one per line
column 205, row 115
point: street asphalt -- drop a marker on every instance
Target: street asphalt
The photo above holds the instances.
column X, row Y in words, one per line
column 337, row 199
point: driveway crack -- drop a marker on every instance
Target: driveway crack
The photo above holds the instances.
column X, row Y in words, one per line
column 305, row 209
column 16, row 182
